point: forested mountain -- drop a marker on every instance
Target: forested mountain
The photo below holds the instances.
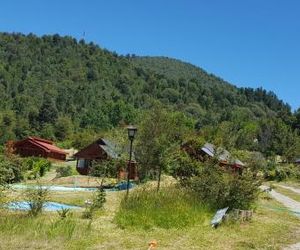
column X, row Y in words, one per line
column 56, row 86
column 181, row 71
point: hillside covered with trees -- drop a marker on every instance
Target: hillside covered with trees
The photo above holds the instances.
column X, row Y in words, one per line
column 57, row 87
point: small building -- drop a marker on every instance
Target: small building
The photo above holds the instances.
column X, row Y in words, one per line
column 35, row 146
column 297, row 161
column 208, row 151
column 102, row 150
column 223, row 156
column 226, row 160
column 237, row 164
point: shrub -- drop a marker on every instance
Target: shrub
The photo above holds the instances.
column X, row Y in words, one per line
column 215, row 186
column 105, row 168
column 36, row 167
column 281, row 172
column 63, row 213
column 220, row 189
column 11, row 169
column 171, row 207
column 2, row 195
column 88, row 213
column 36, row 197
column 97, row 203
column 99, row 198
column 183, row 166
column 64, row 171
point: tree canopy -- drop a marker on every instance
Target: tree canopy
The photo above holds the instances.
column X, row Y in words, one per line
column 57, row 87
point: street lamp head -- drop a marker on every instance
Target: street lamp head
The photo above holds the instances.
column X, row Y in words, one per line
column 131, row 132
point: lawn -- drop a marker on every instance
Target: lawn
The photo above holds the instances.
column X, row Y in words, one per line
column 269, row 229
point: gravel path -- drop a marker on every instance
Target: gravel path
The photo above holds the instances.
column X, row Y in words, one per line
column 293, row 247
column 291, row 204
column 296, row 190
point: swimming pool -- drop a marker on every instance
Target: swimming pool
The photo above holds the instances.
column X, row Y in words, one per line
column 53, row 188
column 48, row 206
column 120, row 186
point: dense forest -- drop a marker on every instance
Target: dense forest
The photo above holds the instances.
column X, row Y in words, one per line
column 58, row 87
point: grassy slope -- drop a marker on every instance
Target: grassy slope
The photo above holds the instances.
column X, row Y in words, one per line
column 268, row 230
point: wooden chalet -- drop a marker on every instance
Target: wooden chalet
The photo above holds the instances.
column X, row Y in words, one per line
column 237, row 164
column 208, row 151
column 199, row 153
column 102, row 150
column 35, row 146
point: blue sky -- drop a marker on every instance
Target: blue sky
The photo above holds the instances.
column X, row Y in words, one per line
column 249, row 43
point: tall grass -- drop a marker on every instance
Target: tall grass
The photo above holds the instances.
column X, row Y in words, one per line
column 18, row 227
column 21, row 224
column 171, row 207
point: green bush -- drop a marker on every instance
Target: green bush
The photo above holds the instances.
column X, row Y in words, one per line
column 36, row 167
column 281, row 172
column 11, row 169
column 36, row 197
column 97, row 203
column 99, row 198
column 63, row 213
column 64, row 171
column 218, row 188
column 105, row 168
column 171, row 207
column 184, row 166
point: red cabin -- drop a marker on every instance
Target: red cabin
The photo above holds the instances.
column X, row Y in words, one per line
column 35, row 146
column 102, row 150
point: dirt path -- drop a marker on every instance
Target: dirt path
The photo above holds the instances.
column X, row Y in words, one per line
column 291, row 204
column 293, row 247
column 295, row 190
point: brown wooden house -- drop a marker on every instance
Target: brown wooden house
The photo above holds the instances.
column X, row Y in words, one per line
column 102, row 150
column 35, row 146
column 208, row 151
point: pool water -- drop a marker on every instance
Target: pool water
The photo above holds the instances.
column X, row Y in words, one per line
column 120, row 186
column 48, row 206
column 54, row 188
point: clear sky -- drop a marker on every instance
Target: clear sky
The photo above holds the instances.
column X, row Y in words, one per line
column 246, row 42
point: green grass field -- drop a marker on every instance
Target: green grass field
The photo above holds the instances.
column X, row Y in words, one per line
column 269, row 229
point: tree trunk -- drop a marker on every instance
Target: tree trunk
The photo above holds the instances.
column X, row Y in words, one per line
column 158, row 180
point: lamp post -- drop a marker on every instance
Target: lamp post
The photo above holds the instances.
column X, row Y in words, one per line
column 131, row 135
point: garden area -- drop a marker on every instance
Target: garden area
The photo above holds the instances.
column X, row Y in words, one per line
column 177, row 215
column 171, row 217
column 47, row 204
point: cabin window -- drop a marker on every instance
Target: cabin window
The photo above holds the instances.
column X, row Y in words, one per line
column 83, row 163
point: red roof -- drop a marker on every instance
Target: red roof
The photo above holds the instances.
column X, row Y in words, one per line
column 45, row 144
column 41, row 139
